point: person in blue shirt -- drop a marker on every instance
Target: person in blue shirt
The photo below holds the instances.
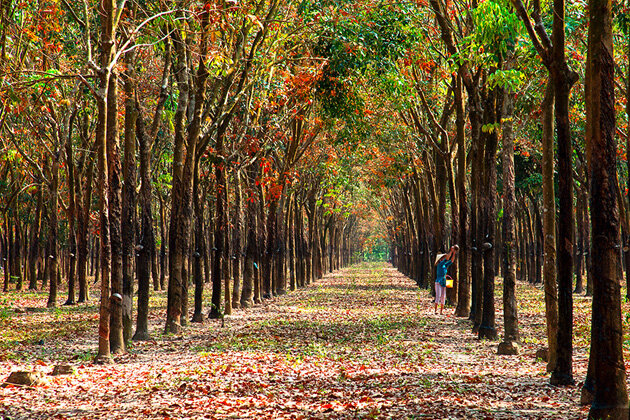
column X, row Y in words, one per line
column 442, row 262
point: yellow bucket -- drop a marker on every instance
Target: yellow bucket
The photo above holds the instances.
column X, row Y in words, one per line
column 449, row 282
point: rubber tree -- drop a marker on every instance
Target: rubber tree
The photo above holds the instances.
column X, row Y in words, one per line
column 184, row 154
column 606, row 357
column 107, row 11
column 552, row 53
column 510, row 316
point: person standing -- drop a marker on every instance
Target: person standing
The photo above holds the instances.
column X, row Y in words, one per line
column 442, row 262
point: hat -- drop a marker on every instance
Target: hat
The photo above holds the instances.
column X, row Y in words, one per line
column 438, row 257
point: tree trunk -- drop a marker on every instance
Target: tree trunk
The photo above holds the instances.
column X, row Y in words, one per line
column 250, row 257
column 116, row 340
column 510, row 315
column 184, row 154
column 563, row 372
column 477, row 153
column 225, row 267
column 539, row 238
column 236, row 241
column 563, row 80
column 83, row 223
column 16, row 250
column 5, row 256
column 291, row 241
column 199, row 248
column 219, row 244
column 268, row 260
column 549, row 225
column 492, row 114
column 72, row 212
column 106, row 12
column 129, row 198
column 53, row 239
column 146, row 242
column 463, row 297
column 163, row 252
column 34, row 243
column 579, row 254
column 611, row 397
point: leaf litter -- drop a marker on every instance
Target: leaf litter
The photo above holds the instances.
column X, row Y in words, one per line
column 359, row 343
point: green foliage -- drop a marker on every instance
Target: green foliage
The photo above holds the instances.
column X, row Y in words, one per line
column 356, row 40
column 496, row 34
column 508, row 79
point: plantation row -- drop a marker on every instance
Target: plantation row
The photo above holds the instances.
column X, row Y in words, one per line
column 256, row 145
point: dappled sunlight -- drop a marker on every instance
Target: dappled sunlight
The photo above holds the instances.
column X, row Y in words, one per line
column 360, row 342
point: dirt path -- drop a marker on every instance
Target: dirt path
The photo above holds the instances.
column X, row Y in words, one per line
column 360, row 343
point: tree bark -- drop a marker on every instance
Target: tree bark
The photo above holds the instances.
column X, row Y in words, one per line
column 107, row 13
column 225, row 261
column 611, row 397
column 563, row 372
column 183, row 165
column 219, row 244
column 52, row 255
column 549, row 225
column 463, row 296
column 116, row 340
column 236, row 241
column 250, row 257
column 83, row 221
column 199, row 248
column 510, row 314
column 563, row 80
column 128, row 221
column 492, row 115
column 34, row 242
column 146, row 242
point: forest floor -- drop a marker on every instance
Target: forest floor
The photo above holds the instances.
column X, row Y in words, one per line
column 360, row 343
